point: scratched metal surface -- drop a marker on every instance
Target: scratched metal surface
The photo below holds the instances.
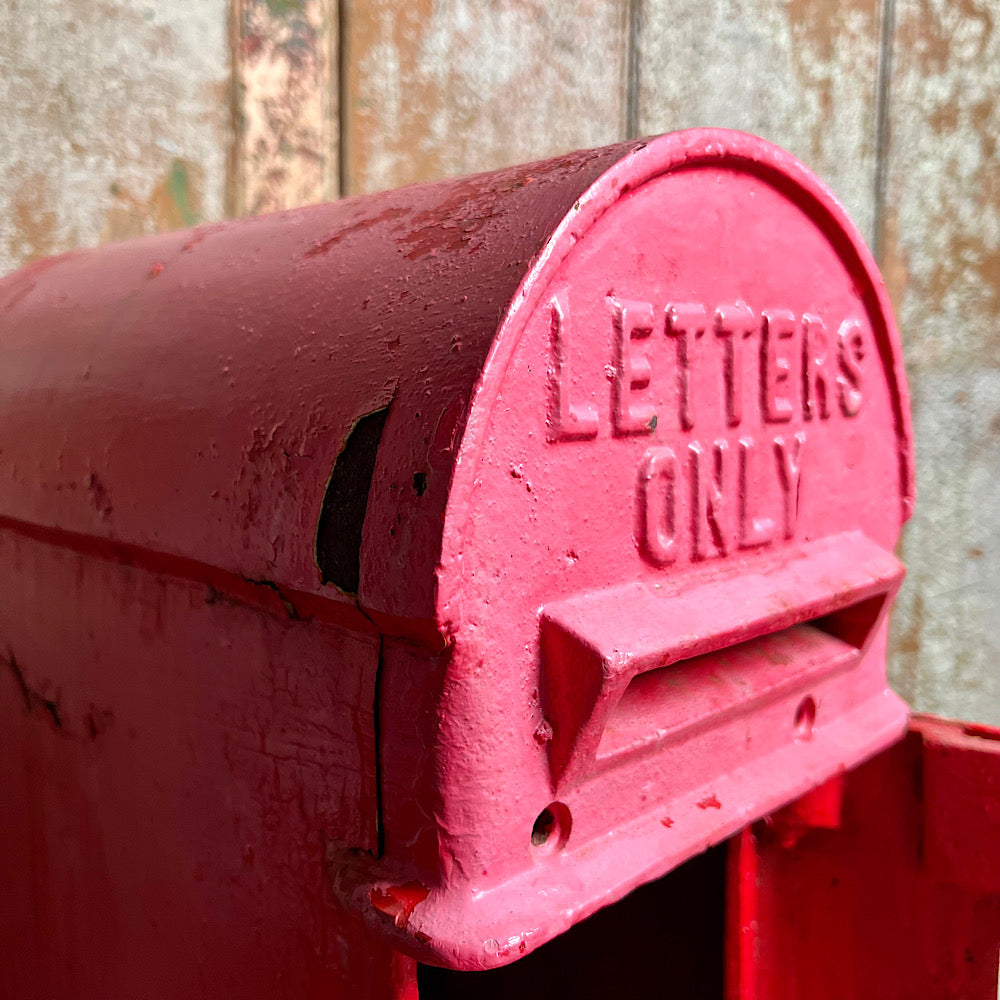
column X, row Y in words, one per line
column 115, row 121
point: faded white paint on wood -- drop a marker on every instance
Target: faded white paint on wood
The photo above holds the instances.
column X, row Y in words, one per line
column 942, row 264
column 443, row 87
column 800, row 73
column 115, row 120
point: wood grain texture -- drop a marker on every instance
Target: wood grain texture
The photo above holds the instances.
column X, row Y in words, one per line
column 800, row 73
column 124, row 117
column 284, row 70
column 115, row 121
column 941, row 241
column 441, row 87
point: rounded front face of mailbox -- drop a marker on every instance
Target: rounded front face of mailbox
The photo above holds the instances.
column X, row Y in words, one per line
column 667, row 553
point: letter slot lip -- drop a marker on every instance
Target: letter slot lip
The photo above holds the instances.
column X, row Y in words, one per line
column 792, row 618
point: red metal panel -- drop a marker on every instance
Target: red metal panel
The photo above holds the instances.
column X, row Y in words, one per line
column 893, row 895
column 174, row 764
column 197, row 387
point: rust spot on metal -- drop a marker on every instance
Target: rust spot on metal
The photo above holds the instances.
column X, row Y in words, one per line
column 34, row 699
column 98, row 721
column 99, row 496
column 290, row 609
column 48, row 707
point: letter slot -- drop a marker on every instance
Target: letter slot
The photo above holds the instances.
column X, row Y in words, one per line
column 637, row 668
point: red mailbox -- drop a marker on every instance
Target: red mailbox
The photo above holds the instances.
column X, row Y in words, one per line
column 425, row 571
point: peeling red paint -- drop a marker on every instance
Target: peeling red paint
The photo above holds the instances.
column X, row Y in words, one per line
column 399, row 901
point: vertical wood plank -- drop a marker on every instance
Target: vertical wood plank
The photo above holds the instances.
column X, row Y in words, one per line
column 284, row 68
column 115, row 121
column 941, row 239
column 442, row 87
column 801, row 73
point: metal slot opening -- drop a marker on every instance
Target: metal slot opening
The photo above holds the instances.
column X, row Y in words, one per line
column 671, row 700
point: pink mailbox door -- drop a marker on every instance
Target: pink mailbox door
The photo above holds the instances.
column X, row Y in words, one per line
column 411, row 577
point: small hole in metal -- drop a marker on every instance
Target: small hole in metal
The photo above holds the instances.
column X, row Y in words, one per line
column 805, row 718
column 542, row 829
column 551, row 829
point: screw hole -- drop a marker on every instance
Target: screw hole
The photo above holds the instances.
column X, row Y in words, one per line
column 551, row 829
column 542, row 829
column 805, row 718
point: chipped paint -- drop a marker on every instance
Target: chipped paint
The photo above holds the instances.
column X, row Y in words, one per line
column 286, row 122
column 179, row 191
column 399, row 901
column 174, row 202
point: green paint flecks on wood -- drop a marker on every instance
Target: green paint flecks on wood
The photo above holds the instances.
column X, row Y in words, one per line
column 178, row 188
column 281, row 8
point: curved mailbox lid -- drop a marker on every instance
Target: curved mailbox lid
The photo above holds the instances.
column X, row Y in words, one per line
column 182, row 398
column 666, row 560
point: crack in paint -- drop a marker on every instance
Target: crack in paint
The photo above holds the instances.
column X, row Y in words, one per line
column 293, row 612
column 33, row 699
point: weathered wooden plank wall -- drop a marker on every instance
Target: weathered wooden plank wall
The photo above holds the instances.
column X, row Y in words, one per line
column 802, row 74
column 124, row 116
column 439, row 87
column 115, row 118
column 941, row 255
column 285, row 104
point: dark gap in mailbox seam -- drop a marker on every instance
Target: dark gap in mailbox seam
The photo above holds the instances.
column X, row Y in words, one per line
column 338, row 535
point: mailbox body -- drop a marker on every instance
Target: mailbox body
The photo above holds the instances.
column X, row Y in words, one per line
column 421, row 573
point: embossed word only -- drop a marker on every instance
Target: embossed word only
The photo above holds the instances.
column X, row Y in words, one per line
column 800, row 372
